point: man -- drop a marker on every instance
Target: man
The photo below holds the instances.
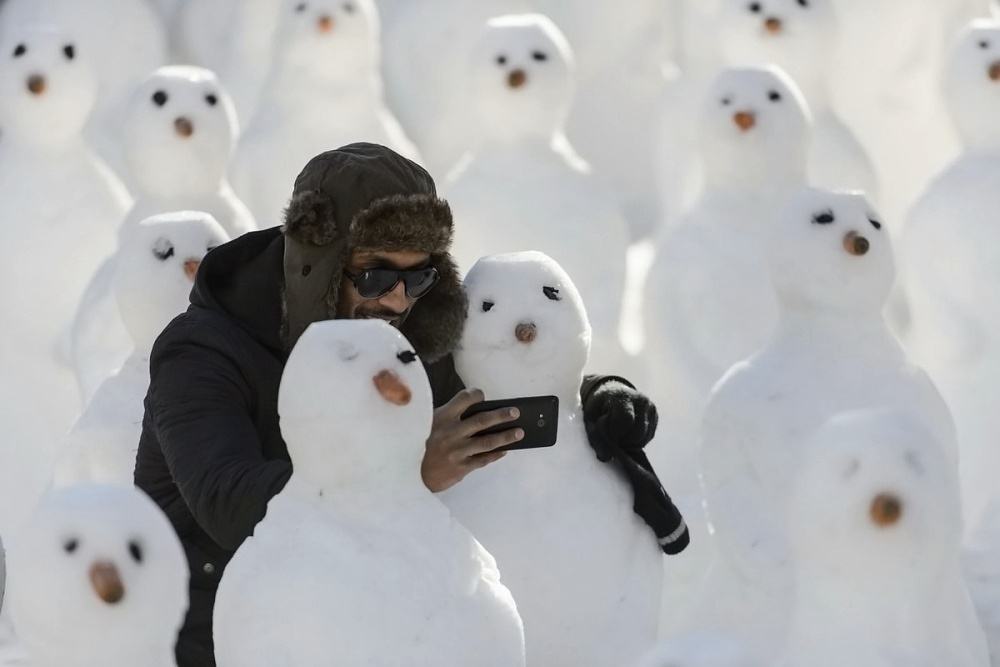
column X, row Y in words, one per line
column 365, row 235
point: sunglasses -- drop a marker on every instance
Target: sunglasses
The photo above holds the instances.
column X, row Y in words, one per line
column 375, row 283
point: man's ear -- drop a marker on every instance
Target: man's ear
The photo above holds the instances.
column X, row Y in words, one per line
column 309, row 219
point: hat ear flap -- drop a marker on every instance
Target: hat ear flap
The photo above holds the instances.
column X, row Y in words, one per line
column 434, row 326
column 310, row 219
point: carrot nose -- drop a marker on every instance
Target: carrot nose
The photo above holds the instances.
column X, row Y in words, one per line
column 106, row 582
column 191, row 268
column 392, row 388
column 325, row 23
column 183, row 127
column 995, row 71
column 517, row 78
column 526, row 332
column 856, row 244
column 745, row 120
column 36, row 84
column 774, row 25
column 886, row 510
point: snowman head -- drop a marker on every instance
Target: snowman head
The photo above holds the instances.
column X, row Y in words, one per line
column 972, row 85
column 46, row 84
column 829, row 251
column 754, row 129
column 155, row 270
column 97, row 570
column 797, row 35
column 179, row 132
column 527, row 332
column 355, row 404
column 897, row 514
column 332, row 40
column 521, row 77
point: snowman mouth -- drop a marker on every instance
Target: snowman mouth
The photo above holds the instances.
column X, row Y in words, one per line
column 774, row 26
column 107, row 582
column 886, row 510
column 517, row 79
column 994, row 71
column 745, row 120
column 856, row 244
column 183, row 127
column 325, row 24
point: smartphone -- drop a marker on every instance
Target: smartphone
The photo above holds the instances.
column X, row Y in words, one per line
column 539, row 419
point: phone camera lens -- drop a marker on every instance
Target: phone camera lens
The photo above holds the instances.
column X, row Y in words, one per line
column 541, row 423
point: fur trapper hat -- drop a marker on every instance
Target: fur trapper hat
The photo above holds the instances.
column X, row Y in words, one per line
column 367, row 197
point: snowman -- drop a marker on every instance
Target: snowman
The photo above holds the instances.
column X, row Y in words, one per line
column 585, row 570
column 123, row 39
column 874, row 526
column 97, row 578
column 58, row 205
column 178, row 136
column 361, row 559
column 832, row 267
column 324, row 91
column 800, row 36
column 524, row 188
column 708, row 297
column 153, row 275
column 950, row 266
column 426, row 47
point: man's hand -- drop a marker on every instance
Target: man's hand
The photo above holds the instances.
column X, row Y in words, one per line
column 454, row 450
column 616, row 415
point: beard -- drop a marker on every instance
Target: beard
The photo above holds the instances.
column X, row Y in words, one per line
column 375, row 312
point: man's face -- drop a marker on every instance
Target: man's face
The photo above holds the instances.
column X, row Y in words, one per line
column 392, row 307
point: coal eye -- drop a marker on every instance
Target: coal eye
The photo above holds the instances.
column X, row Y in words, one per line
column 540, row 56
column 803, row 3
column 163, row 250
column 301, row 7
column 501, row 60
column 135, row 551
column 774, row 96
column 349, row 7
column 20, row 50
column 875, row 223
column 755, row 7
column 71, row 545
column 69, row 51
column 488, row 306
column 726, row 101
column 211, row 99
column 160, row 98
column 983, row 45
column 407, row 356
column 824, row 218
column 551, row 293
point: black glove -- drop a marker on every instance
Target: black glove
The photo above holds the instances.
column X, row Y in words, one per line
column 618, row 416
column 620, row 422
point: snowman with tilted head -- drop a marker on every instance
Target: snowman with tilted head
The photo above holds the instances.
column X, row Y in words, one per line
column 708, row 298
column 124, row 39
column 58, row 207
column 553, row 517
column 522, row 187
column 98, row 577
column 951, row 266
column 365, row 563
column 874, row 527
column 179, row 133
column 324, row 90
column 154, row 271
column 800, row 36
column 832, row 266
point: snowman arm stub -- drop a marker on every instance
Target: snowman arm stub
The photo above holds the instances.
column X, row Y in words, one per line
column 200, row 409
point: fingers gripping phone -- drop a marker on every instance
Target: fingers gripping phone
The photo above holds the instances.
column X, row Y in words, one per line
column 539, row 419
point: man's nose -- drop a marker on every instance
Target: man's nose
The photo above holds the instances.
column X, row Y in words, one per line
column 396, row 300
